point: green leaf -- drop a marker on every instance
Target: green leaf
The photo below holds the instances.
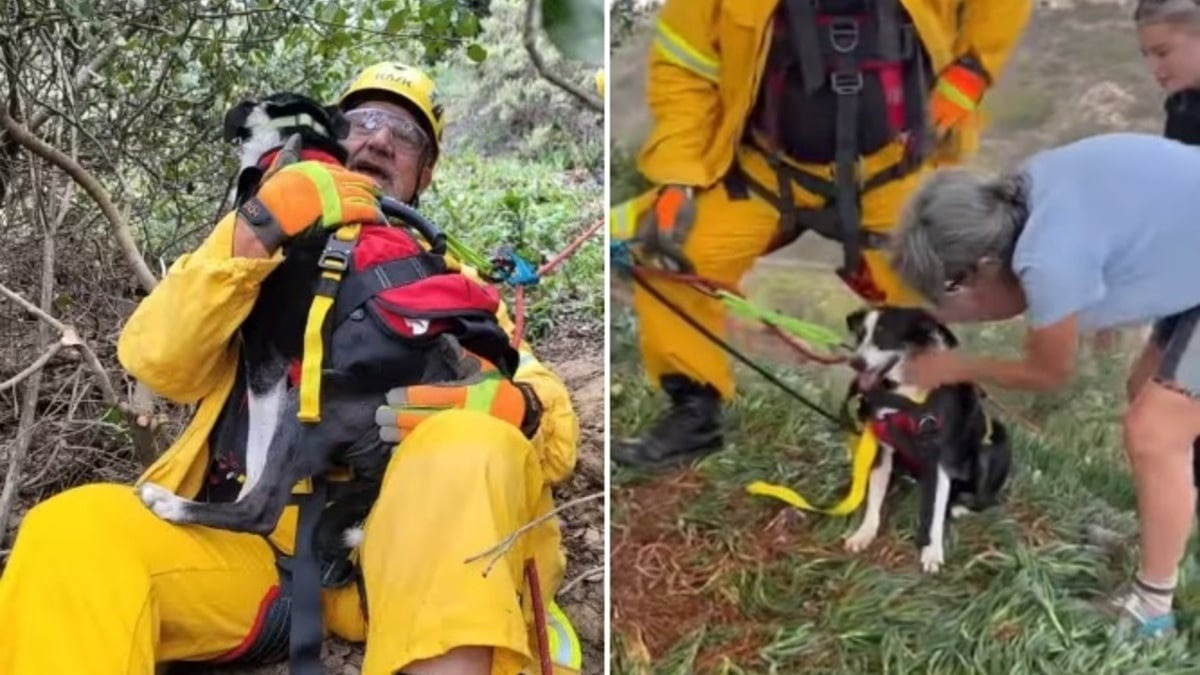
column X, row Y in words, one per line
column 395, row 23
column 468, row 25
column 476, row 52
column 575, row 28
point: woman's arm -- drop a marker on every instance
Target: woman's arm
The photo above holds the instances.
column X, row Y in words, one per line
column 1048, row 363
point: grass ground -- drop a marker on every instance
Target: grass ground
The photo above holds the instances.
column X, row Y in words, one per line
column 708, row 579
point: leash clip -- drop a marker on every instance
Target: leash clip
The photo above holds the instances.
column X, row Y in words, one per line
column 513, row 269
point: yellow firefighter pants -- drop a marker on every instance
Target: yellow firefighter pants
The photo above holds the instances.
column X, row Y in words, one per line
column 726, row 239
column 98, row 585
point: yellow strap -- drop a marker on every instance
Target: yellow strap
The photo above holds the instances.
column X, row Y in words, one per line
column 864, row 456
column 314, row 347
column 314, row 352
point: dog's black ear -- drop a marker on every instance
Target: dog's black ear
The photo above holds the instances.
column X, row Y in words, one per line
column 247, row 184
column 338, row 123
column 947, row 335
column 235, row 119
column 854, row 321
column 928, row 326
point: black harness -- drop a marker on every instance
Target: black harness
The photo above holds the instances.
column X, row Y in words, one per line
column 861, row 64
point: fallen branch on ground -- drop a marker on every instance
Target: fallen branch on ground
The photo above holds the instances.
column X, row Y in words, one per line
column 33, row 367
column 505, row 544
column 594, row 574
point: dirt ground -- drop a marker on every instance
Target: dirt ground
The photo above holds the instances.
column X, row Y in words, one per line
column 577, row 358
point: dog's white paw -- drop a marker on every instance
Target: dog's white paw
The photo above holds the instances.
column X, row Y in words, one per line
column 353, row 537
column 860, row 539
column 164, row 503
column 932, row 558
column 958, row 511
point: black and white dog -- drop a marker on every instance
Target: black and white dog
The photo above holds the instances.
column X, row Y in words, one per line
column 959, row 456
column 280, row 451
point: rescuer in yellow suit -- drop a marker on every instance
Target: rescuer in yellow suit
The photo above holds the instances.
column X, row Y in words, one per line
column 776, row 117
column 96, row 583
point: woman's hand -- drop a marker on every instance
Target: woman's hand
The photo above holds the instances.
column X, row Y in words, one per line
column 936, row 368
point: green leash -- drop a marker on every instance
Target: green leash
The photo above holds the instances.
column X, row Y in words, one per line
column 809, row 332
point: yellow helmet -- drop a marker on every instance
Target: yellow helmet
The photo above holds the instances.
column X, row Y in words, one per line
column 406, row 82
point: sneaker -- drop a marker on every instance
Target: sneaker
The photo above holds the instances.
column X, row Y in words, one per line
column 1131, row 625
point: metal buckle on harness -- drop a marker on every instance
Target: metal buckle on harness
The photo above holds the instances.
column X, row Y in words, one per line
column 336, row 255
column 844, row 34
column 846, row 84
column 927, row 425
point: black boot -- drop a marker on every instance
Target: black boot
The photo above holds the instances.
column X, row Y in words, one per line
column 689, row 430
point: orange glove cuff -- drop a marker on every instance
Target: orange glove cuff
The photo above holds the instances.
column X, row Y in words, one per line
column 967, row 83
column 309, row 193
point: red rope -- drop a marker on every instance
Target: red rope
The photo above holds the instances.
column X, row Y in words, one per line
column 550, row 265
column 539, row 616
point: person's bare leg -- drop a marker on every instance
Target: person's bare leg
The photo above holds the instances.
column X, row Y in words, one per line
column 1160, row 427
column 1146, row 364
column 457, row 661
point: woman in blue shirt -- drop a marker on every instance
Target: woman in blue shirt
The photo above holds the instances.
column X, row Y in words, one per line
column 1096, row 234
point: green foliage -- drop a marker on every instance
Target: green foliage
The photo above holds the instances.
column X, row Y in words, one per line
column 576, row 27
column 537, row 209
column 502, row 106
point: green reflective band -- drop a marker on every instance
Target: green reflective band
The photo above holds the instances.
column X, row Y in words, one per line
column 331, row 206
column 480, row 396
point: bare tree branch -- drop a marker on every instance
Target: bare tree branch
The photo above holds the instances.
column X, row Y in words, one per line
column 529, row 37
column 71, row 338
column 85, row 73
column 33, row 367
column 93, row 187
column 16, row 459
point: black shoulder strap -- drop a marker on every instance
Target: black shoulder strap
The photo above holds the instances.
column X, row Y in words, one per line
column 357, row 288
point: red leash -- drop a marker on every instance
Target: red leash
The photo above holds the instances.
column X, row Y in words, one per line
column 544, row 270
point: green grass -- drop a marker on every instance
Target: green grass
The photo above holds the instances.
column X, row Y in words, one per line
column 538, row 207
column 741, row 584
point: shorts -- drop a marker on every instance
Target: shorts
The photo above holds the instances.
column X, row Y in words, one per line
column 1179, row 340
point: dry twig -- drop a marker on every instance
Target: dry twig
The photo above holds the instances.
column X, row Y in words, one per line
column 69, row 338
column 593, row 574
column 497, row 552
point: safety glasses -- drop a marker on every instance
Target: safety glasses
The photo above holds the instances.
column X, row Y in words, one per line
column 406, row 135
